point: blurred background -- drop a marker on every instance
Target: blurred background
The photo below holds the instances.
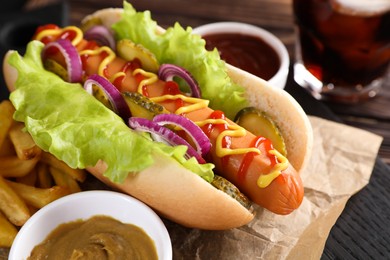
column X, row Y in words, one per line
column 192, row 12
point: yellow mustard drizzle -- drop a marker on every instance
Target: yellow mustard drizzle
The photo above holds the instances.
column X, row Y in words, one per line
column 117, row 75
column 234, row 131
column 48, row 32
column 150, row 78
column 110, row 57
column 211, row 121
column 196, row 103
column 55, row 32
column 265, row 179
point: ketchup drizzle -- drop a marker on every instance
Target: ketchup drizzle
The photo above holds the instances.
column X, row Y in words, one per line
column 68, row 35
column 248, row 157
column 91, row 45
column 226, row 141
column 48, row 38
column 129, row 66
column 172, row 88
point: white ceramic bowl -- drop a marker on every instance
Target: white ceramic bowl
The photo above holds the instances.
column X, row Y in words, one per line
column 84, row 205
column 280, row 78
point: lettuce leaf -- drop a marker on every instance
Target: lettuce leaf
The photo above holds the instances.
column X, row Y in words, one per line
column 179, row 46
column 66, row 121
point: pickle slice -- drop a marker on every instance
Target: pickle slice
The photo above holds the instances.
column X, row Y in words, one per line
column 141, row 106
column 56, row 68
column 88, row 23
column 128, row 50
column 100, row 95
column 260, row 124
column 231, row 190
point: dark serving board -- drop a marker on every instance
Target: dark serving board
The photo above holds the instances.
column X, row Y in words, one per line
column 363, row 229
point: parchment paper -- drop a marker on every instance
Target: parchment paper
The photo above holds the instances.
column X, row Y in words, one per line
column 342, row 162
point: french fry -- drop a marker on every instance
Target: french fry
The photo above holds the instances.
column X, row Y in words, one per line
column 38, row 178
column 64, row 180
column 7, row 232
column 7, row 148
column 25, row 146
column 12, row 166
column 6, row 112
column 12, row 205
column 45, row 179
column 38, row 197
column 76, row 174
column 29, row 179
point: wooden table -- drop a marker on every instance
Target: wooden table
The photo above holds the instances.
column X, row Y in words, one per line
column 276, row 16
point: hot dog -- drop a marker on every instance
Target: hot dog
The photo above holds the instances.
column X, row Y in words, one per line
column 166, row 185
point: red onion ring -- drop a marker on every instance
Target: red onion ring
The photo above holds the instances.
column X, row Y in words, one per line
column 116, row 99
column 166, row 72
column 102, row 35
column 199, row 138
column 162, row 134
column 72, row 58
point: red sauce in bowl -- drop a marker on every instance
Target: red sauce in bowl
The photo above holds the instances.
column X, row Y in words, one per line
column 246, row 52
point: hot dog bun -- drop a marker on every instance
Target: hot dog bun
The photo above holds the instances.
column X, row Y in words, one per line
column 181, row 196
column 10, row 74
column 184, row 197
